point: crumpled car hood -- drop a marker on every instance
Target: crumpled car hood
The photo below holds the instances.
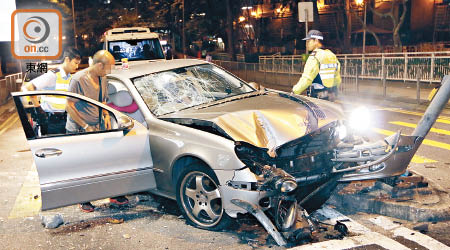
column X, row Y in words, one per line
column 267, row 120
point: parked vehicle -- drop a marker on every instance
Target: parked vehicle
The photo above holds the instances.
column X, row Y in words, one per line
column 133, row 44
column 195, row 133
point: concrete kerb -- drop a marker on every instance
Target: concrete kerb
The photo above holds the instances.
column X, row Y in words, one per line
column 417, row 206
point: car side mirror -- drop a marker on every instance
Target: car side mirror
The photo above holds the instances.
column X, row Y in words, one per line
column 125, row 124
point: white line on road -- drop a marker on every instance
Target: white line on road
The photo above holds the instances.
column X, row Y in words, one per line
column 407, row 233
column 371, row 238
column 367, row 237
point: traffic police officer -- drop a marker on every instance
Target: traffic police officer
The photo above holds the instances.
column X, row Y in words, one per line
column 321, row 74
column 51, row 109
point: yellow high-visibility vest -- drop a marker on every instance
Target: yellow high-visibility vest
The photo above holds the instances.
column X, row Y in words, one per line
column 321, row 67
column 58, row 103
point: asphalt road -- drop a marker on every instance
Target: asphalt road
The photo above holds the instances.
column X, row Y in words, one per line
column 152, row 222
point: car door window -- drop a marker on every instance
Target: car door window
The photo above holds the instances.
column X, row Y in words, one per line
column 86, row 166
column 50, row 118
column 121, row 100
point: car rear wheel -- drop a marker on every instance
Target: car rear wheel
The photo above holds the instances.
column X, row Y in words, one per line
column 199, row 198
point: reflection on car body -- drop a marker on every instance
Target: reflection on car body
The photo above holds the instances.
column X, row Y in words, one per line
column 217, row 146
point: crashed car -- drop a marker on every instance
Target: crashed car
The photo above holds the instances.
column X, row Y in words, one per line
column 190, row 131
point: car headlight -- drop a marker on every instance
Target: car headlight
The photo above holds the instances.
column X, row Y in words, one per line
column 360, row 119
column 342, row 131
column 286, row 185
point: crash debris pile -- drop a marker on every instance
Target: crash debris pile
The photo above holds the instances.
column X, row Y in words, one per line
column 411, row 198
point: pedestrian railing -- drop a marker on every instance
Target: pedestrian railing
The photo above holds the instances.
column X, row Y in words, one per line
column 392, row 66
column 371, row 85
column 8, row 85
column 281, row 79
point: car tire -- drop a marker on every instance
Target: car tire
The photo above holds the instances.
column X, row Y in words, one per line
column 199, row 198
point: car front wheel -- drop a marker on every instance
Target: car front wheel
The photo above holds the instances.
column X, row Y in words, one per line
column 199, row 198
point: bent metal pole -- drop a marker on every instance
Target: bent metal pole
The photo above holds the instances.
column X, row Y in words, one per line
column 434, row 109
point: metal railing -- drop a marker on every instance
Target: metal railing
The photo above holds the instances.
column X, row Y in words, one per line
column 397, row 66
column 252, row 72
column 9, row 85
column 416, row 90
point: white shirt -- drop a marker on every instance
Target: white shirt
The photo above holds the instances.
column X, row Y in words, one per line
column 47, row 81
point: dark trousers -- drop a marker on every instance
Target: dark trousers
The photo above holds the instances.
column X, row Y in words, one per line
column 325, row 93
column 54, row 124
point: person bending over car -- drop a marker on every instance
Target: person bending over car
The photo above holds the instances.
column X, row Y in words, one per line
column 84, row 117
column 51, row 110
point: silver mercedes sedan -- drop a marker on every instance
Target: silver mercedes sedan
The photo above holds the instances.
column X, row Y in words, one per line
column 190, row 131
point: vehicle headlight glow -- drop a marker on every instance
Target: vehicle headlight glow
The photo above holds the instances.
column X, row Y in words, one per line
column 360, row 119
column 342, row 131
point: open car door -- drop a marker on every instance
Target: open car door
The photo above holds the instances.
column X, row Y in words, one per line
column 85, row 166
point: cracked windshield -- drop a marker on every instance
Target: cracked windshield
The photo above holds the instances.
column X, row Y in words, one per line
column 174, row 90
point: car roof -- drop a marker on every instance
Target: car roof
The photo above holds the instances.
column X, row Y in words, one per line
column 145, row 67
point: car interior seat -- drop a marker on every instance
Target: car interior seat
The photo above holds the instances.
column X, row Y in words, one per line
column 122, row 101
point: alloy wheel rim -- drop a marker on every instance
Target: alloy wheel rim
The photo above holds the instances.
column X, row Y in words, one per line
column 201, row 199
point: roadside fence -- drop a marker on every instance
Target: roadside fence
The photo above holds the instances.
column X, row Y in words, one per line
column 389, row 83
column 397, row 66
column 9, row 85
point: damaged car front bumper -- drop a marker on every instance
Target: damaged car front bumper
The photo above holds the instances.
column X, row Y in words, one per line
column 313, row 168
column 385, row 158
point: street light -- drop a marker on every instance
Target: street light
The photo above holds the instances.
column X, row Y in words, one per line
column 365, row 26
column 74, row 29
column 184, row 35
column 360, row 3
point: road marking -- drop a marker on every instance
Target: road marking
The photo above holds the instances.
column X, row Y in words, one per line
column 441, row 118
column 26, row 204
column 432, row 143
column 367, row 237
column 398, row 230
column 371, row 238
column 421, row 160
column 412, row 125
column 8, row 123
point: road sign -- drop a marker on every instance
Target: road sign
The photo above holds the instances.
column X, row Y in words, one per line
column 305, row 12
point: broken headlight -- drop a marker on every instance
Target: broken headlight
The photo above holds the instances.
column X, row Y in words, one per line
column 342, row 131
column 286, row 185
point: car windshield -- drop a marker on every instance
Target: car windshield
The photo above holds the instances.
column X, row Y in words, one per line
column 139, row 49
column 181, row 88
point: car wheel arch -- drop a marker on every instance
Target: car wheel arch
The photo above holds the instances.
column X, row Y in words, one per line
column 184, row 161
